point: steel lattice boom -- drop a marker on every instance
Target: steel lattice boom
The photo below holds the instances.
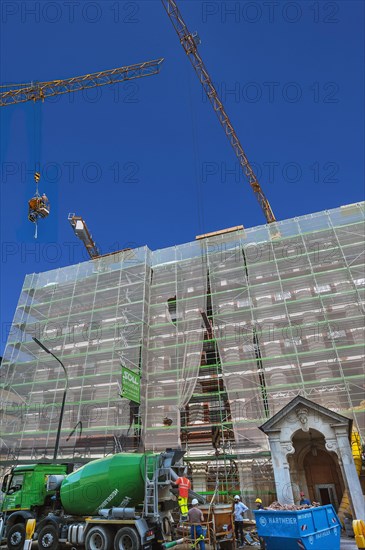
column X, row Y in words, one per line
column 42, row 90
column 189, row 43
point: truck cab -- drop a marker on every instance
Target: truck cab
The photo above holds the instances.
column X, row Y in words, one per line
column 26, row 497
column 13, row 492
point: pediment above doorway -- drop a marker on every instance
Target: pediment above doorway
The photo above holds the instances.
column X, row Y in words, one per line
column 303, row 414
column 326, row 431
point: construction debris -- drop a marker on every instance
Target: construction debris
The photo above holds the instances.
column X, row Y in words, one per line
column 291, row 507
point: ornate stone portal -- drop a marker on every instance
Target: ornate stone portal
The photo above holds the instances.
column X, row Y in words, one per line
column 303, row 428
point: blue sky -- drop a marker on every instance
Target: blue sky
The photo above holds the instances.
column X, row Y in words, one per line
column 147, row 162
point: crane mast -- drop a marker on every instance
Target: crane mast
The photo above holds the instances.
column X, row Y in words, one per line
column 190, row 44
column 42, row 90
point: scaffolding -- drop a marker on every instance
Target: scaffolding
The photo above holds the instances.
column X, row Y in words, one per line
column 224, row 331
column 93, row 316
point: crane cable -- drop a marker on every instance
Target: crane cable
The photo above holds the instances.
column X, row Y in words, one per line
column 196, row 157
column 37, row 143
column 37, row 153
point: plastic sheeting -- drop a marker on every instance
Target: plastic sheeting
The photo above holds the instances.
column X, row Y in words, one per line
column 178, row 296
column 287, row 315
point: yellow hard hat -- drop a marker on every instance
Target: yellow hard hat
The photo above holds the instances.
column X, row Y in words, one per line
column 258, row 500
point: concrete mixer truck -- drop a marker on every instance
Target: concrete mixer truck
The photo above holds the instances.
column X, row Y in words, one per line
column 120, row 502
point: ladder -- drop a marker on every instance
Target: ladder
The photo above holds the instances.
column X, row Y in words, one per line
column 150, row 507
column 155, row 476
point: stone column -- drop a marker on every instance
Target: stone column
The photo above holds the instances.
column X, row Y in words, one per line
column 350, row 474
column 279, row 452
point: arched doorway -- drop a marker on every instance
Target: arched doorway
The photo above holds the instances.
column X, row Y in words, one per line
column 317, row 471
column 302, row 427
column 323, row 478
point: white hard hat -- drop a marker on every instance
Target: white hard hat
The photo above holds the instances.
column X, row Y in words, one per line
column 194, row 501
column 237, row 497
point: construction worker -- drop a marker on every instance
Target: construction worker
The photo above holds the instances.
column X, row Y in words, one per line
column 238, row 511
column 258, row 503
column 304, row 500
column 183, row 483
column 44, row 204
column 196, row 517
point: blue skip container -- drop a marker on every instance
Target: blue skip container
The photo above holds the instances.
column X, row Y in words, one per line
column 310, row 529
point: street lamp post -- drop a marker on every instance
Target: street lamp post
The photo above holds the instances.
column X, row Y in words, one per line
column 57, row 444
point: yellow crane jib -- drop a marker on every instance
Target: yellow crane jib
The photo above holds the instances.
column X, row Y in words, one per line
column 41, row 90
column 38, row 206
column 190, row 42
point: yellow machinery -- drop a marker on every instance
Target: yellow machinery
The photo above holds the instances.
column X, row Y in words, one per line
column 359, row 530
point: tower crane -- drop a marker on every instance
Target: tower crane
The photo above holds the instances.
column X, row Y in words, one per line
column 190, row 43
column 38, row 206
column 41, row 90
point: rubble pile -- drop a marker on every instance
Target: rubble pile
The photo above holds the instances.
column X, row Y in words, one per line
column 290, row 507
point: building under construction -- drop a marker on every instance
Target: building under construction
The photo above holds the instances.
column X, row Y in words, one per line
column 223, row 332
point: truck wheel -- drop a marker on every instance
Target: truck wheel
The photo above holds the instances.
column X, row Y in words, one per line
column 126, row 539
column 98, row 538
column 16, row 536
column 48, row 538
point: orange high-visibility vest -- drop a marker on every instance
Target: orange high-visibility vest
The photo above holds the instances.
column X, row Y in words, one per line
column 184, row 486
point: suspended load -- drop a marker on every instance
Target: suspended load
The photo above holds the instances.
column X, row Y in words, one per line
column 38, row 206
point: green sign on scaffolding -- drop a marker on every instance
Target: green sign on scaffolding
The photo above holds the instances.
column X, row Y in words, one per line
column 131, row 385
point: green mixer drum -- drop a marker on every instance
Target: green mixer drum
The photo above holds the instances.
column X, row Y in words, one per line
column 105, row 483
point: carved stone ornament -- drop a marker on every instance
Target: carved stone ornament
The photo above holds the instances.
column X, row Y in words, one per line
column 288, row 448
column 302, row 415
column 199, row 468
column 331, row 445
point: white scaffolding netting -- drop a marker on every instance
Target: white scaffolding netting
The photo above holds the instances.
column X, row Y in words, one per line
column 178, row 296
column 287, row 306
